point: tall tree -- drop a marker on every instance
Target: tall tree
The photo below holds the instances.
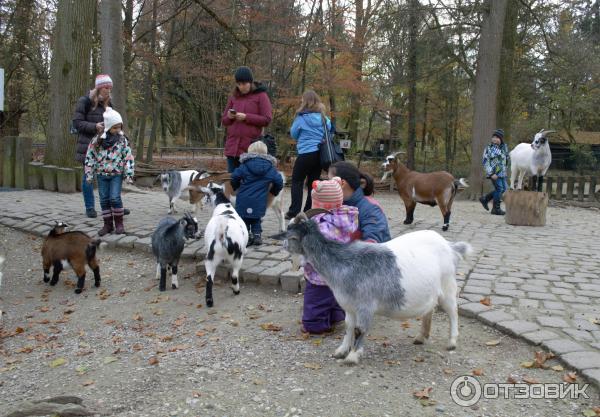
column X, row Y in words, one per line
column 412, row 82
column 486, row 88
column 111, row 33
column 69, row 74
column 14, row 67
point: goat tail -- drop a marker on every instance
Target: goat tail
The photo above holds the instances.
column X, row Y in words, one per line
column 92, row 247
column 461, row 249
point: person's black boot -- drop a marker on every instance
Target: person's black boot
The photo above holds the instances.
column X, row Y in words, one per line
column 497, row 210
column 485, row 199
column 91, row 213
column 257, row 241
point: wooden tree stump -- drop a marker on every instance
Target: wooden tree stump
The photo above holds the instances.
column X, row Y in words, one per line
column 525, row 208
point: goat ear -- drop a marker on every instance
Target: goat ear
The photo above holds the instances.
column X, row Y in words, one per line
column 300, row 218
column 280, row 236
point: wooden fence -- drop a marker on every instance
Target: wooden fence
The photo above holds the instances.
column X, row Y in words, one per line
column 568, row 188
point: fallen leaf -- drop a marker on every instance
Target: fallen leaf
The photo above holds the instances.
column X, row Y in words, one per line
column 158, row 312
column 512, row 379
column 597, row 410
column 405, row 324
column 317, row 342
column 81, row 369
column 25, row 349
column 84, row 352
column 179, row 321
column 69, row 311
column 57, row 362
column 530, row 380
column 44, row 309
column 200, row 333
column 423, row 394
column 198, row 305
column 427, row 402
column 87, row 383
column 179, row 347
column 109, row 322
column 271, row 327
column 477, row 372
column 392, row 362
column 570, row 377
column 558, row 368
column 137, row 347
column 590, row 413
column 153, row 360
column 19, row 330
column 196, row 394
column 493, row 342
column 234, row 323
column 486, row 301
column 110, row 359
column 314, row 366
column 528, row 364
column 166, row 338
column 448, row 371
column 138, row 317
column 541, row 357
column 419, row 359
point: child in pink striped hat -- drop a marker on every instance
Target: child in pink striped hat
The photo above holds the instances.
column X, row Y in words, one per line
column 321, row 311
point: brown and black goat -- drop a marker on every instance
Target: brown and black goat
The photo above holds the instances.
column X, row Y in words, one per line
column 434, row 188
column 63, row 249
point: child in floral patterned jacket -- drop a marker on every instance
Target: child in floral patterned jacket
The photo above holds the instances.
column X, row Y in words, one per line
column 340, row 223
column 109, row 157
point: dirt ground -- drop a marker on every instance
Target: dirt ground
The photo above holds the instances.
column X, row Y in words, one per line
column 128, row 350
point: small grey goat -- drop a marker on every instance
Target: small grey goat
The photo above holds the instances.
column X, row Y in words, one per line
column 168, row 241
column 404, row 278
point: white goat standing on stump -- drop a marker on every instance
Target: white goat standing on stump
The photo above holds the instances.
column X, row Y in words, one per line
column 531, row 158
column 404, row 278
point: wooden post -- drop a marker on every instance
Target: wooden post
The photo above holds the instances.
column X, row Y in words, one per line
column 49, row 177
column 531, row 184
column 525, row 208
column 549, row 190
column 570, row 187
column 592, row 194
column 559, row 188
column 34, row 173
column 8, row 161
column 581, row 188
column 22, row 159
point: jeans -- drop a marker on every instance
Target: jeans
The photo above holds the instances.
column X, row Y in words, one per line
column 232, row 163
column 500, row 186
column 109, row 189
column 307, row 167
column 254, row 225
column 87, row 190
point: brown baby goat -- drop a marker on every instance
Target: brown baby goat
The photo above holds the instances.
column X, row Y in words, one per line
column 62, row 249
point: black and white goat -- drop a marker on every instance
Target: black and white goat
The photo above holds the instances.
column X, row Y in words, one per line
column 225, row 237
column 176, row 183
column 62, row 249
column 168, row 241
column 404, row 278
column 532, row 159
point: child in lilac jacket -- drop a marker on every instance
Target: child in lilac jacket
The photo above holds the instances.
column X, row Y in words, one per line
column 321, row 311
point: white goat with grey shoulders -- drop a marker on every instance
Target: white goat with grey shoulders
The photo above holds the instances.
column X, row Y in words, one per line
column 404, row 278
column 226, row 237
column 174, row 183
column 532, row 159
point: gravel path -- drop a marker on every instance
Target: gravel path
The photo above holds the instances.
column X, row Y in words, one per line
column 129, row 350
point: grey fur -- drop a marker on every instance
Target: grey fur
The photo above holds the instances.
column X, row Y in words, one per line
column 168, row 241
column 171, row 183
column 245, row 156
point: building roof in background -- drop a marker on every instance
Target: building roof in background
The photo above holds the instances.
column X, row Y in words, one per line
column 581, row 137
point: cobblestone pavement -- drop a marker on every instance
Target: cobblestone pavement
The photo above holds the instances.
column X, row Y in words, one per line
column 543, row 283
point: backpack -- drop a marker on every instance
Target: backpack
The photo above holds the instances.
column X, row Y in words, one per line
column 271, row 143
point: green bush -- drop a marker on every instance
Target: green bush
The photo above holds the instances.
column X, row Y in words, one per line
column 582, row 158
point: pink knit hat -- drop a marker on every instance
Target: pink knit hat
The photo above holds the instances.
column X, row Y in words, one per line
column 327, row 194
column 103, row 81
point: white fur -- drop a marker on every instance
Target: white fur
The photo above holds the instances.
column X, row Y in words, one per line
column 220, row 227
column 529, row 158
column 185, row 177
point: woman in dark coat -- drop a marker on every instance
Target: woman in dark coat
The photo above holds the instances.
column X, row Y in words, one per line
column 88, row 120
column 247, row 112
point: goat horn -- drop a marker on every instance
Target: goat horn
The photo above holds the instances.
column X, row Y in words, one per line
column 313, row 212
column 545, row 132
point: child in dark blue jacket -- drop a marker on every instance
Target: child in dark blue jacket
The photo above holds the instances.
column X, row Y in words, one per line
column 255, row 178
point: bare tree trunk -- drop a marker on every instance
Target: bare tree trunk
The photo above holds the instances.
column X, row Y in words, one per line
column 507, row 57
column 358, row 50
column 486, row 89
column 111, row 27
column 14, row 69
column 127, row 37
column 412, row 83
column 155, row 121
column 69, row 75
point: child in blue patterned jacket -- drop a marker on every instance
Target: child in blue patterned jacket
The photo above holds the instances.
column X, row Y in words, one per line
column 495, row 163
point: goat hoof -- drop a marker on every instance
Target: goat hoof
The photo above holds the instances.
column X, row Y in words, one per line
column 46, row 279
column 340, row 354
column 162, row 288
column 445, row 228
column 418, row 342
column 78, row 290
column 97, row 284
column 173, row 286
column 352, row 358
column 209, row 302
column 408, row 221
column 53, row 283
column 236, row 292
column 451, row 347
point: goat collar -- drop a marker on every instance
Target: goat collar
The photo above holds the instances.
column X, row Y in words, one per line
column 246, row 156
